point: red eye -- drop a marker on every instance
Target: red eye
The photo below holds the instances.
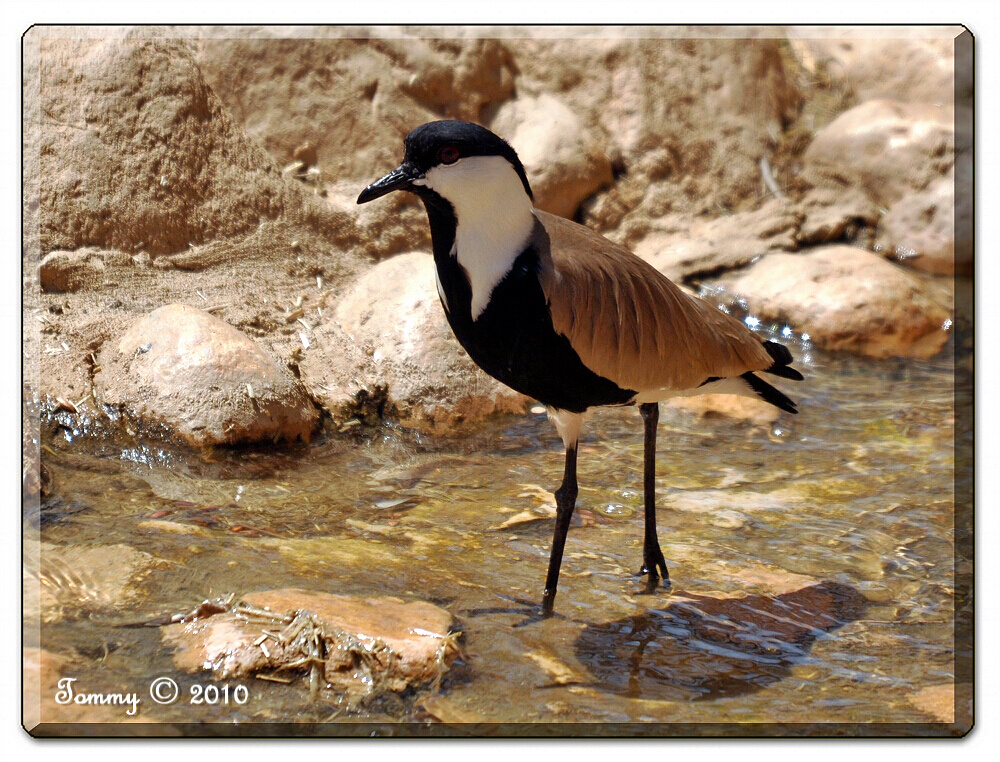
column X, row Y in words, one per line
column 449, row 154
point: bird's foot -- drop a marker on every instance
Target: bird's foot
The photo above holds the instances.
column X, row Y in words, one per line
column 654, row 564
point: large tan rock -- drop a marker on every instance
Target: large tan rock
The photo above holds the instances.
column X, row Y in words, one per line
column 847, row 298
column 563, row 161
column 184, row 369
column 138, row 154
column 353, row 95
column 398, row 338
column 887, row 148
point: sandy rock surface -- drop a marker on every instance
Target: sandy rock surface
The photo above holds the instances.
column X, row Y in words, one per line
column 138, row 153
column 911, row 67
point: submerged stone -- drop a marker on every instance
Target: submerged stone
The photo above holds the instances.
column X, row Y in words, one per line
column 72, row 582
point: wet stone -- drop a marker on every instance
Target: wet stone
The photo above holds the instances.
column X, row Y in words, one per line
column 848, row 299
column 727, row 406
column 356, row 646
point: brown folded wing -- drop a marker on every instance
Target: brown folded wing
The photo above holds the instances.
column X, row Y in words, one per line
column 629, row 323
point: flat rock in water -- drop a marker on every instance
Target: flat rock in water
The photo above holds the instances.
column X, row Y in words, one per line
column 366, row 642
column 848, row 298
column 709, row 501
column 66, row 581
column 182, row 368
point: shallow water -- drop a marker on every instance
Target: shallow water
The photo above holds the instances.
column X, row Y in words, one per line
column 813, row 561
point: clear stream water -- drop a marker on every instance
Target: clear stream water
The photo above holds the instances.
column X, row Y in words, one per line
column 813, row 560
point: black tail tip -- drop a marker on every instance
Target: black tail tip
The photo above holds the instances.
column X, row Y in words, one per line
column 782, row 359
column 779, row 353
column 769, row 394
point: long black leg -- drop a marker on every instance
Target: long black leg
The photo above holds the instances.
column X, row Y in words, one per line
column 653, row 562
column 565, row 501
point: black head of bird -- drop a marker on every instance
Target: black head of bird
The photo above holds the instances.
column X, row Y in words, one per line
column 563, row 315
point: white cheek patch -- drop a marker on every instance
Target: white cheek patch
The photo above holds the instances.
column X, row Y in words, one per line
column 494, row 219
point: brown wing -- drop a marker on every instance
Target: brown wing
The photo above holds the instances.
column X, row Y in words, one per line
column 629, row 323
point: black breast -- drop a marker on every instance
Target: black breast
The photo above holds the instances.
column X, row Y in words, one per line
column 514, row 341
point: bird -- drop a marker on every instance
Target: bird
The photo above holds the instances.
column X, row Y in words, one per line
column 565, row 316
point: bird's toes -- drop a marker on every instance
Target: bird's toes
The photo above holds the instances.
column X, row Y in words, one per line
column 655, row 569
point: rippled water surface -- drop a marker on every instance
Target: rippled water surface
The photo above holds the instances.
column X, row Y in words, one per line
column 813, row 560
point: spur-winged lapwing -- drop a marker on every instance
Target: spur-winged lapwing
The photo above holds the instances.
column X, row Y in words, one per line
column 563, row 315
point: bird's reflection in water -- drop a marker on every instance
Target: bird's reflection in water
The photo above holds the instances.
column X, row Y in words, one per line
column 706, row 648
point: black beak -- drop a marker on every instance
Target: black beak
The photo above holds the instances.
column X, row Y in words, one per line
column 399, row 179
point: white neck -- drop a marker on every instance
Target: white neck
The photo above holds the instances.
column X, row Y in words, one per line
column 494, row 219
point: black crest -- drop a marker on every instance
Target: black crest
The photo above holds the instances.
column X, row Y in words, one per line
column 424, row 145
